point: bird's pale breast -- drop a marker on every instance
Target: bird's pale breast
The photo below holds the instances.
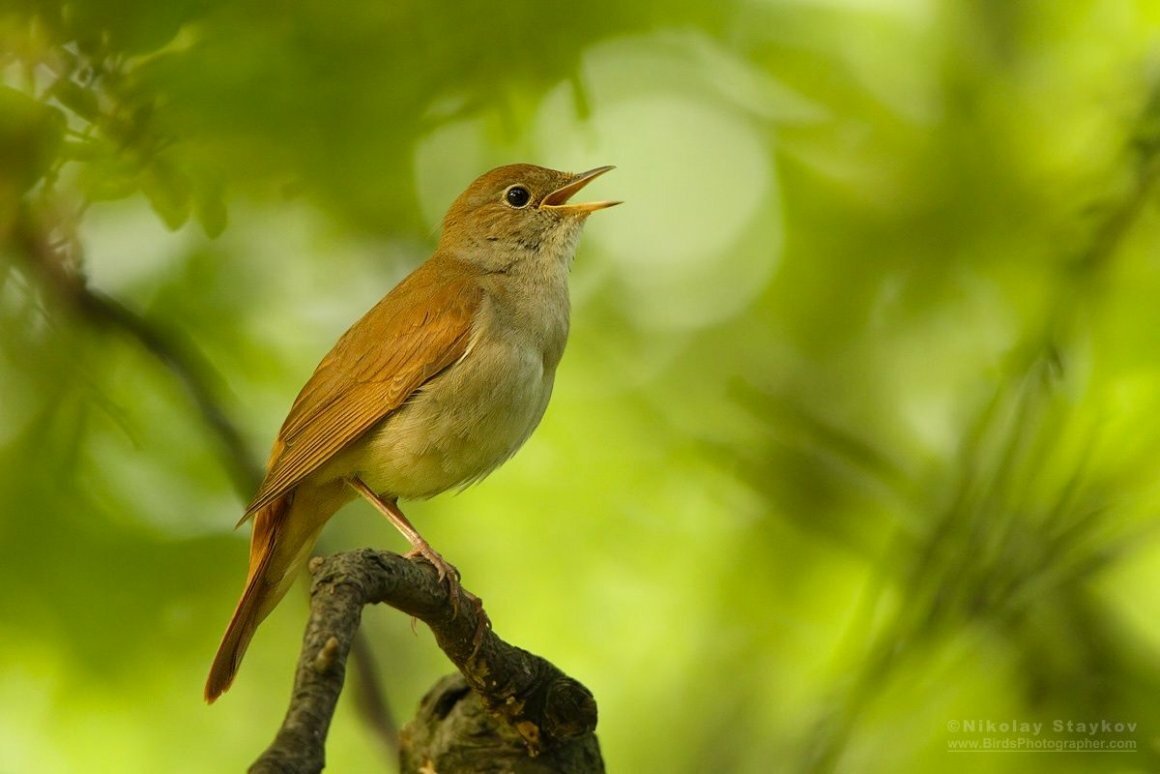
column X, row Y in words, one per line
column 467, row 421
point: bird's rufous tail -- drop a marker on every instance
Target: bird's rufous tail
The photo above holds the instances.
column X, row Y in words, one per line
column 279, row 548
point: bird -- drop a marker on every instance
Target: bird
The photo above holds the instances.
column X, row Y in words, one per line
column 437, row 385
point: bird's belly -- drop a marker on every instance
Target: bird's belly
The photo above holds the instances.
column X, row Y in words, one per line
column 457, row 428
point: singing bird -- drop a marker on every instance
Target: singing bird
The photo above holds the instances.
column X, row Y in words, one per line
column 436, row 386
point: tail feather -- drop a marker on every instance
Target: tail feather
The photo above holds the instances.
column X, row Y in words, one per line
column 278, row 549
column 237, row 638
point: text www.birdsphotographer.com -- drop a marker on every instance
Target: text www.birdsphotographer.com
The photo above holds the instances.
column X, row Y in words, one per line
column 1053, row 735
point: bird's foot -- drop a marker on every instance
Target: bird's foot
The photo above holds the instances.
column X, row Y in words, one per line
column 389, row 507
column 447, row 572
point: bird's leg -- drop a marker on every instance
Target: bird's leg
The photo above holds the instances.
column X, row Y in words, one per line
column 389, row 507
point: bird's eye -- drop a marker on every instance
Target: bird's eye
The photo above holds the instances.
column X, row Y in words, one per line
column 517, row 196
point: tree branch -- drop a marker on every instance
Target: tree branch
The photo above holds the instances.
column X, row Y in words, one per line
column 509, row 710
column 60, row 274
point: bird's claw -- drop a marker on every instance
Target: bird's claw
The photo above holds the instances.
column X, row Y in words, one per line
column 446, row 571
column 449, row 574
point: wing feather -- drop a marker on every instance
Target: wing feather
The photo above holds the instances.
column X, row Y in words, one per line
column 420, row 328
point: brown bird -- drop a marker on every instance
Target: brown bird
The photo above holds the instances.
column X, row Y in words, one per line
column 436, row 386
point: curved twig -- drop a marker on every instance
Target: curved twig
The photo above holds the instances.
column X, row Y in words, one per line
column 537, row 718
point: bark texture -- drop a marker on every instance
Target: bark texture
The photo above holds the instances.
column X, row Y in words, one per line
column 506, row 711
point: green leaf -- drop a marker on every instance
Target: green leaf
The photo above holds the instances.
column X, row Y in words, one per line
column 31, row 134
column 210, row 209
column 107, row 177
column 76, row 98
column 81, row 150
column 168, row 191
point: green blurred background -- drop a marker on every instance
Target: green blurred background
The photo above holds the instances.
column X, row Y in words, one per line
column 853, row 455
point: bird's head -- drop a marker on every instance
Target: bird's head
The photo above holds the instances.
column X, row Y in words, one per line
column 517, row 210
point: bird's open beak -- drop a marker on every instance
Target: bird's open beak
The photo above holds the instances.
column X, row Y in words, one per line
column 558, row 199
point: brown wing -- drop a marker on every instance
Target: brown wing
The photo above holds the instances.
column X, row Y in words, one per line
column 420, row 328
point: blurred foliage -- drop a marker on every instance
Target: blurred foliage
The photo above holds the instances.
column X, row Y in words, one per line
column 855, row 444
